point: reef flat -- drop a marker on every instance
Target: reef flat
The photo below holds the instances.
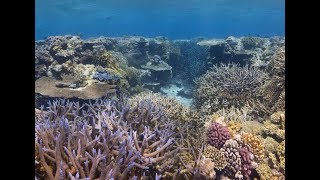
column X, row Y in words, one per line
column 154, row 108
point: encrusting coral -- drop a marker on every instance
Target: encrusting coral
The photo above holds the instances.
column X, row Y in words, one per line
column 275, row 127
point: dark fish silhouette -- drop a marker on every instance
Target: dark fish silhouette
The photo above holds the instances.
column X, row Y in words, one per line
column 108, row 18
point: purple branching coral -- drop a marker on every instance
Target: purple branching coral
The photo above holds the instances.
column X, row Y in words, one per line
column 218, row 135
column 105, row 139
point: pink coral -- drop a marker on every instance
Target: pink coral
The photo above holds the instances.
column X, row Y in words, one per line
column 218, row 135
column 246, row 161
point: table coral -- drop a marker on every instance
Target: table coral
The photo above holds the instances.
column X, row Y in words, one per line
column 216, row 156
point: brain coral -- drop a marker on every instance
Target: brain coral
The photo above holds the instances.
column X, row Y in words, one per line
column 217, row 135
column 216, row 156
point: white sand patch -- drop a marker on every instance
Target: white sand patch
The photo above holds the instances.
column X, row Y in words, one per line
column 172, row 91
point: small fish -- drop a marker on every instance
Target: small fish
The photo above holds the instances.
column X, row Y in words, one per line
column 108, row 18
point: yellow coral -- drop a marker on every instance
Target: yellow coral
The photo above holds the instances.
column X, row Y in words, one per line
column 255, row 144
column 266, row 173
column 234, row 127
column 216, row 156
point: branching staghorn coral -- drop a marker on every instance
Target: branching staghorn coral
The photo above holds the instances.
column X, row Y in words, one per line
column 228, row 85
column 120, row 142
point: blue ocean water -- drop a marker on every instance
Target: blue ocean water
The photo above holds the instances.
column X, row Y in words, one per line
column 175, row 19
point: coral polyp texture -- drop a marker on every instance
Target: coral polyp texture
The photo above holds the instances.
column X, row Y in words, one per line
column 152, row 108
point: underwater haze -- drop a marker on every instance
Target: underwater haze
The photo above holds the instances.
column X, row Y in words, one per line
column 178, row 19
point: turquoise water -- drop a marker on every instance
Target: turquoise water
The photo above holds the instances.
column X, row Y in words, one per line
column 174, row 19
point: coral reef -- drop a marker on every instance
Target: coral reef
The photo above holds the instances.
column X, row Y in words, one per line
column 217, row 135
column 228, row 85
column 252, row 42
column 110, row 123
column 160, row 71
column 192, row 61
column 255, row 51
